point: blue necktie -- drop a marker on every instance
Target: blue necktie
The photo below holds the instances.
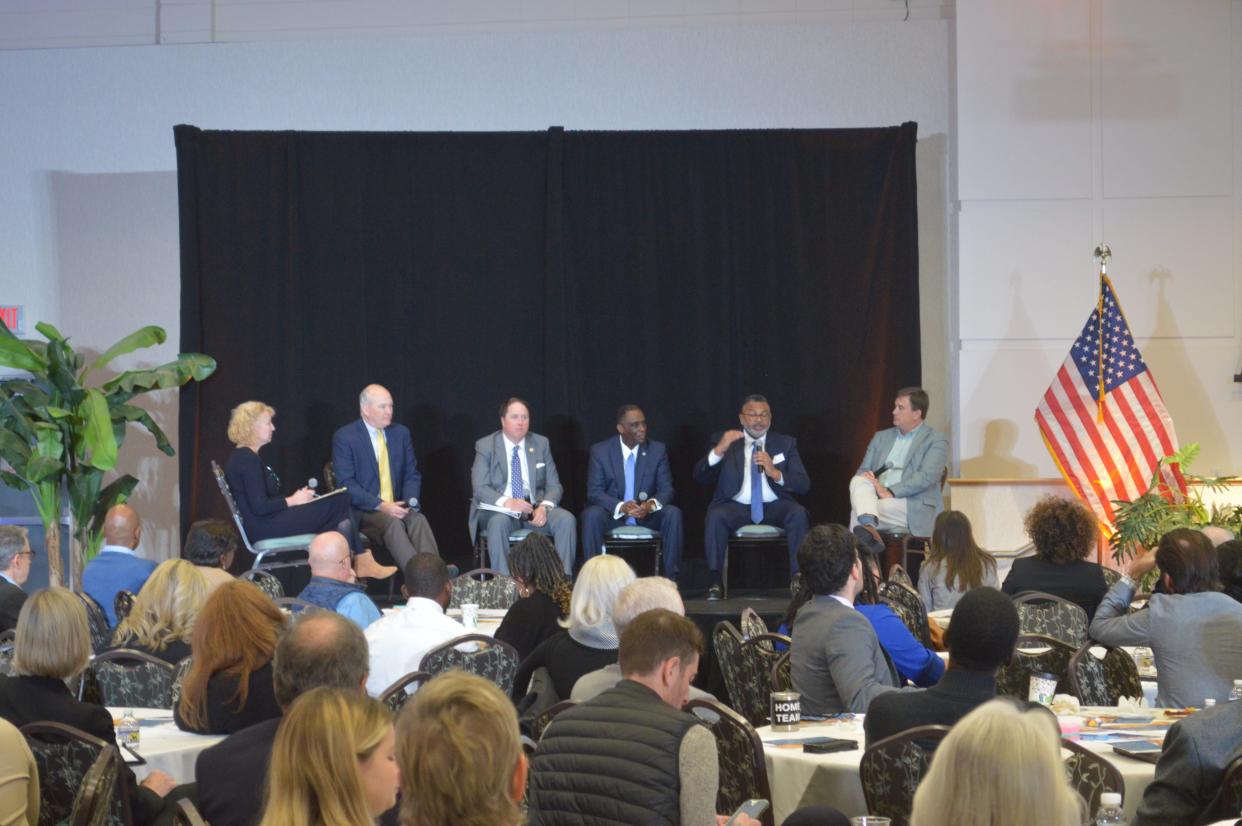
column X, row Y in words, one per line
column 629, row 485
column 515, row 470
column 756, row 485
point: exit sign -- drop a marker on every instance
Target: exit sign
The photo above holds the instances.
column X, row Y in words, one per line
column 14, row 319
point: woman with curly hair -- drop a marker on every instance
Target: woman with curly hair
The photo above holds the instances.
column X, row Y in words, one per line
column 162, row 619
column 545, row 592
column 955, row 564
column 1064, row 532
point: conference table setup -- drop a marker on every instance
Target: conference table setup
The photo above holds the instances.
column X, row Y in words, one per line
column 161, row 745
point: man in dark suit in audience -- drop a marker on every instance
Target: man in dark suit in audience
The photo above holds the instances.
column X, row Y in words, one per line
column 320, row 648
column 15, row 559
column 629, row 483
column 1196, row 752
column 980, row 639
column 757, row 473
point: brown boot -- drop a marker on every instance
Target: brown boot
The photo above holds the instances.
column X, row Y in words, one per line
column 365, row 567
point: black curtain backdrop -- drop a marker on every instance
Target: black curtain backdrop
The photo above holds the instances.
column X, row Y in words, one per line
column 579, row 270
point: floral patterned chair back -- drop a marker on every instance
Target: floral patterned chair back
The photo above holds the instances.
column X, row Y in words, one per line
column 1040, row 613
column 491, row 659
column 779, row 675
column 1102, row 682
column 752, row 624
column 486, row 588
column 541, row 721
column 1035, row 654
column 97, row 622
column 132, row 678
column 6, row 651
column 746, row 666
column 396, row 695
column 122, row 605
column 892, row 769
column 267, row 582
column 743, row 772
column 95, row 799
column 1091, row 775
column 67, row 759
column 179, row 671
column 898, row 575
column 908, row 606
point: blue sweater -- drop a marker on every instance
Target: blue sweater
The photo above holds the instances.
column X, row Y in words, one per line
column 919, row 665
column 113, row 571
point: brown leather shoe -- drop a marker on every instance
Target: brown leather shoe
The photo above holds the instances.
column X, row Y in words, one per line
column 869, row 539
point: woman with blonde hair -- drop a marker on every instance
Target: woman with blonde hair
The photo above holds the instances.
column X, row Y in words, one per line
column 267, row 514
column 333, row 762
column 589, row 641
column 162, row 618
column 460, row 755
column 229, row 684
column 955, row 564
column 999, row 766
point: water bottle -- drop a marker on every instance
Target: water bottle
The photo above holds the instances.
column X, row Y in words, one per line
column 1210, row 702
column 1236, row 692
column 1110, row 810
column 127, row 731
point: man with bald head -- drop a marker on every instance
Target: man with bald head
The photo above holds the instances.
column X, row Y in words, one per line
column 374, row 459
column 333, row 584
column 117, row 567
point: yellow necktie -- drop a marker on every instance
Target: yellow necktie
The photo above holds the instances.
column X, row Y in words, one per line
column 384, row 473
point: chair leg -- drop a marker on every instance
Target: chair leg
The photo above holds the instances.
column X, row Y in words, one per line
column 724, row 574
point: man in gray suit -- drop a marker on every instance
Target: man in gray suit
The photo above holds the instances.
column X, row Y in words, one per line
column 836, row 661
column 516, row 486
column 1197, row 750
column 897, row 486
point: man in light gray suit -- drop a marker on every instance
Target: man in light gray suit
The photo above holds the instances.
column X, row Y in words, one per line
column 513, row 470
column 836, row 661
column 1197, row 750
column 897, row 486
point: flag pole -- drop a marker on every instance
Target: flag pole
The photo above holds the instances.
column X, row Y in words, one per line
column 1102, row 254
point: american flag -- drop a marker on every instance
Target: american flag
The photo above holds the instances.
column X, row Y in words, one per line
column 1102, row 417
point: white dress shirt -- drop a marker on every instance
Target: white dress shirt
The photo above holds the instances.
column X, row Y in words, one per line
column 748, row 459
column 373, row 433
column 625, row 455
column 896, row 459
column 527, row 491
column 399, row 640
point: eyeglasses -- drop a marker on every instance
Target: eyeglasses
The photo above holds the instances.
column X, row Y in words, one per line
column 757, row 414
column 29, row 553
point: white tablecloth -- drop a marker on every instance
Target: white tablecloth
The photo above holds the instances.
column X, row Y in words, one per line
column 164, row 746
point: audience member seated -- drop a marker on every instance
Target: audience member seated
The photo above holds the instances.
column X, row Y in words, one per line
column 333, row 762
column 19, row 779
column 399, row 640
column 460, row 755
column 836, row 661
column 642, row 595
column 544, row 592
column 954, row 564
column 15, row 559
column 1000, row 764
column 229, row 684
column 53, row 645
column 1193, row 630
column 333, row 585
column 1197, row 750
column 590, row 639
column 318, row 649
column 1229, row 562
column 1064, row 533
column 663, row 770
column 161, row 622
column 914, row 662
column 211, row 546
column 117, row 567
column 980, row 640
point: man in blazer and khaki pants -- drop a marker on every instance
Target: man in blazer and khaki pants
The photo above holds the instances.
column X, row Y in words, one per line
column 513, row 469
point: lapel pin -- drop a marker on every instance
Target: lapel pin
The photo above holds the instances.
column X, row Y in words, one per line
column 530, row 450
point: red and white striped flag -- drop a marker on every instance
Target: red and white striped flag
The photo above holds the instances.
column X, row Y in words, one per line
column 1102, row 417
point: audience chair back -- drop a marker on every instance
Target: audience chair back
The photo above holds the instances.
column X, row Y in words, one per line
column 539, row 724
column 746, row 666
column 395, row 695
column 267, row 582
column 779, row 675
column 486, row 588
column 752, row 624
column 187, row 815
column 892, row 769
column 122, row 604
column 294, row 605
column 95, row 799
column 179, row 671
column 65, row 757
column 1034, row 654
column 1228, row 800
column 1091, row 776
column 1103, row 681
column 743, row 772
column 1111, row 575
column 6, row 651
column 132, row 678
column 97, row 623
column 1040, row 613
column 897, row 574
column 492, row 659
column 909, row 608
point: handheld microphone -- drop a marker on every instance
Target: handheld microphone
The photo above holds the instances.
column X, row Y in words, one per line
column 412, row 503
column 312, row 483
column 642, row 496
column 758, row 449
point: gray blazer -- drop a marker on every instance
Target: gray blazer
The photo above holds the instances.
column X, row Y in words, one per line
column 1196, row 640
column 920, row 478
column 491, row 470
column 835, row 661
column 1196, row 752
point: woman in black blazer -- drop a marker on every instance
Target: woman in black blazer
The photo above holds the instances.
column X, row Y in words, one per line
column 52, row 645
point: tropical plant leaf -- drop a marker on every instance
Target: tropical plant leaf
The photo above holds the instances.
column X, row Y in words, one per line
column 114, row 493
column 98, row 439
column 145, row 337
column 15, row 354
column 173, row 374
column 42, row 468
column 13, row 480
column 14, row 449
column 50, row 332
column 130, row 413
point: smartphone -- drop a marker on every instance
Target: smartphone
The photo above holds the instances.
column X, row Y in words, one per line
column 754, row 807
column 829, row 745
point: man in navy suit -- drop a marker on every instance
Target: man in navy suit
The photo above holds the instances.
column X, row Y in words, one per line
column 374, row 459
column 757, row 474
column 629, row 483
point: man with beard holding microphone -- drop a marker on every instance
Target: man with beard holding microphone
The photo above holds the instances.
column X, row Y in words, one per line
column 757, row 474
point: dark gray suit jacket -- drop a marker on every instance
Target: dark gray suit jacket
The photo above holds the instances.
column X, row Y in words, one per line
column 836, row 661
column 1192, row 766
column 491, row 470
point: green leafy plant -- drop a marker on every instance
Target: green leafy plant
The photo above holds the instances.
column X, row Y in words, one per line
column 1142, row 521
column 60, row 435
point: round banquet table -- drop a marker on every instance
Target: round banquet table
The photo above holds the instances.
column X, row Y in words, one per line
column 164, row 746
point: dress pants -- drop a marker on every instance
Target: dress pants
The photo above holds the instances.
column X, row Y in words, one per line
column 597, row 521
column 724, row 518
column 561, row 526
column 890, row 514
column 402, row 537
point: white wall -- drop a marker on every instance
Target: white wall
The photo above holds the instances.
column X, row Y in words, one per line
column 1079, row 122
column 88, row 209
